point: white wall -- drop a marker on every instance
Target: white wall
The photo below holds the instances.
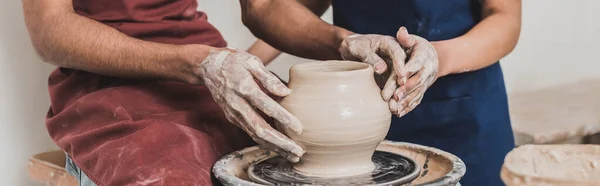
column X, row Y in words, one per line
column 559, row 44
column 23, row 98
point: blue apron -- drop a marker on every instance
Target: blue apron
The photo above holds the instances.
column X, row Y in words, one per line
column 464, row 114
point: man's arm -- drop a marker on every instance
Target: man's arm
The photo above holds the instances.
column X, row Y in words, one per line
column 66, row 39
column 293, row 28
column 486, row 43
column 266, row 52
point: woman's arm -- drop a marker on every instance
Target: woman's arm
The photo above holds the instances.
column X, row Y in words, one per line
column 486, row 43
column 493, row 38
column 266, row 52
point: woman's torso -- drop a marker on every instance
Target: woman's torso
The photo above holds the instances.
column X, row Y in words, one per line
column 465, row 114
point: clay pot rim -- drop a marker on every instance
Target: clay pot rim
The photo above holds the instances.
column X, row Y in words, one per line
column 515, row 172
column 331, row 68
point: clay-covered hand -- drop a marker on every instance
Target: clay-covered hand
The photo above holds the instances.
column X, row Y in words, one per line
column 381, row 52
column 230, row 76
column 418, row 73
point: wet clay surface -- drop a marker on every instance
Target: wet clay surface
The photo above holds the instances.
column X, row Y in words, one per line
column 553, row 165
column 343, row 117
column 390, row 169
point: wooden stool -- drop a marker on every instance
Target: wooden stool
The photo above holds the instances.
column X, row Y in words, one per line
column 49, row 168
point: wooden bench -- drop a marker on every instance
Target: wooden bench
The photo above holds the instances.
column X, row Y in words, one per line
column 562, row 114
column 49, row 168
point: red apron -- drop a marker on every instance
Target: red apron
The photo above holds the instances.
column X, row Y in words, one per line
column 134, row 132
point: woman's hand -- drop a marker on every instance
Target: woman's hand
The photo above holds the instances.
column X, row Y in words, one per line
column 418, row 73
column 230, row 76
column 381, row 52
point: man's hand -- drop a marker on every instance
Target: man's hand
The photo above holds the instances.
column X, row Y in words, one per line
column 418, row 73
column 381, row 52
column 230, row 76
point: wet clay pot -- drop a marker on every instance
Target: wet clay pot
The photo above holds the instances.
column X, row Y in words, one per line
column 343, row 115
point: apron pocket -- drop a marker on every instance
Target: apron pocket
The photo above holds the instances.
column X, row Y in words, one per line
column 449, row 114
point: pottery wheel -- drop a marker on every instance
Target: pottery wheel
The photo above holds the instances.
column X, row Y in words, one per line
column 390, row 169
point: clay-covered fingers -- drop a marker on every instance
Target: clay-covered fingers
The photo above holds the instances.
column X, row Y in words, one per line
column 370, row 57
column 415, row 64
column 390, row 87
column 270, row 107
column 390, row 48
column 419, row 72
column 281, row 145
column 405, row 39
column 408, row 103
column 410, row 86
column 409, row 95
column 261, row 101
column 393, row 104
column 267, row 79
column 230, row 78
column 383, row 53
column 266, row 135
column 421, row 52
column 364, row 48
column 411, row 102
